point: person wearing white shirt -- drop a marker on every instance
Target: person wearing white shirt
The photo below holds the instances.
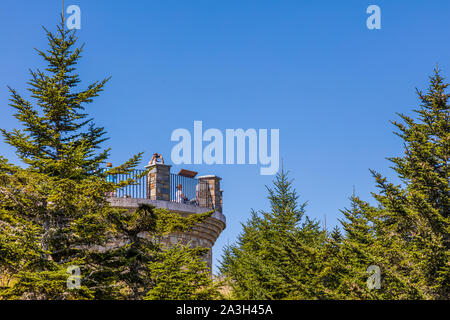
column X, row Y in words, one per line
column 179, row 196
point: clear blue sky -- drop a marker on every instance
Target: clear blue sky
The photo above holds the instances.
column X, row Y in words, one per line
column 309, row 68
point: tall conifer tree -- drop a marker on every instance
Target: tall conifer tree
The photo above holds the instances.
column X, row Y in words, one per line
column 277, row 254
column 416, row 215
column 54, row 214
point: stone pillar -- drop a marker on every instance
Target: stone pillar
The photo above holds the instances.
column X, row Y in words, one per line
column 213, row 191
column 158, row 182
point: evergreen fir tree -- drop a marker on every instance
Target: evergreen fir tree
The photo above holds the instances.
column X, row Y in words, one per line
column 359, row 250
column 407, row 235
column 329, row 275
column 276, row 255
column 416, row 215
column 179, row 273
column 54, row 214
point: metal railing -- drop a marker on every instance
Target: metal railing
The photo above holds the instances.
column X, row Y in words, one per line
column 137, row 190
column 182, row 189
column 190, row 191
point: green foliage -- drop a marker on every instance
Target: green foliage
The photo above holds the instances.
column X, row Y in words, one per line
column 406, row 235
column 54, row 214
column 59, row 140
column 276, row 255
column 179, row 273
column 415, row 217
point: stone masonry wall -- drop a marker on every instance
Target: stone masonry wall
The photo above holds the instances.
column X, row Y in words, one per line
column 204, row 234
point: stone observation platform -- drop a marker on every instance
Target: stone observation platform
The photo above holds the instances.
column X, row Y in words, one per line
column 181, row 194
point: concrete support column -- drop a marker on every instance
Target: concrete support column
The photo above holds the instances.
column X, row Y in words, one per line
column 158, row 182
